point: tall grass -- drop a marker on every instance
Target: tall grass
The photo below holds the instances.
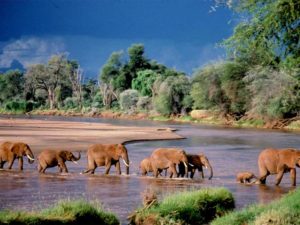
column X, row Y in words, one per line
column 193, row 207
column 285, row 211
column 64, row 212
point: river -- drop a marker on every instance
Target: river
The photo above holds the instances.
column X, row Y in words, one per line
column 229, row 151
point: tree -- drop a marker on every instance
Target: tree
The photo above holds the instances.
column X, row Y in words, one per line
column 76, row 79
column 49, row 77
column 129, row 99
column 144, row 82
column 269, row 34
column 11, row 85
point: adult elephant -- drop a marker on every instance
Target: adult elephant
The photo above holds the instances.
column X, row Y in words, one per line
column 278, row 161
column 196, row 162
column 107, row 155
column 52, row 158
column 9, row 151
column 168, row 159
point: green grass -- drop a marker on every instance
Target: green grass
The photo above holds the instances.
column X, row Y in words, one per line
column 63, row 213
column 192, row 207
column 285, row 211
column 255, row 123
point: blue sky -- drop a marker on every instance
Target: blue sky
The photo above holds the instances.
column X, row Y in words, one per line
column 179, row 33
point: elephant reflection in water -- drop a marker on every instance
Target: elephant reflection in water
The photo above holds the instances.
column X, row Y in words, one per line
column 9, row 151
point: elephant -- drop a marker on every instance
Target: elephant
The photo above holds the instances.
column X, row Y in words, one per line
column 246, row 177
column 107, row 155
column 9, row 151
column 168, row 158
column 196, row 162
column 52, row 158
column 278, row 161
column 146, row 167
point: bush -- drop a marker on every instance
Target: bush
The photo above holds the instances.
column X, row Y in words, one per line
column 70, row 103
column 144, row 103
column 129, row 99
column 64, row 213
column 16, row 106
column 97, row 101
column 192, row 207
column 281, row 212
column 163, row 105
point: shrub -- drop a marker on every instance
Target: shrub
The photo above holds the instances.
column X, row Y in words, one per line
column 281, row 212
column 70, row 103
column 97, row 101
column 144, row 103
column 64, row 212
column 192, row 207
column 163, row 105
column 16, row 106
column 129, row 99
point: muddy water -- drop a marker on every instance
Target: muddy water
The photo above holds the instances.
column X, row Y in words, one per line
column 229, row 151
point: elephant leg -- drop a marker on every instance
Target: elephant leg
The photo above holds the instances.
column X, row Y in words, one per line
column 63, row 166
column 107, row 165
column 192, row 173
column 40, row 168
column 11, row 163
column 173, row 170
column 1, row 164
column 279, row 176
column 118, row 168
column 293, row 176
column 181, row 169
column 201, row 172
column 60, row 170
column 21, row 163
column 263, row 176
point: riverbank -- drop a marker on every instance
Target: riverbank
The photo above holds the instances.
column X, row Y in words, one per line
column 196, row 116
column 41, row 134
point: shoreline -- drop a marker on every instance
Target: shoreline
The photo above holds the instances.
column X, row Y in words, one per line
column 45, row 134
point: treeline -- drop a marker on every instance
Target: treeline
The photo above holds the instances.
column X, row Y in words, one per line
column 259, row 79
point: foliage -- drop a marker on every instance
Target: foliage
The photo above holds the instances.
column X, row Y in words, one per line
column 64, row 212
column 275, row 93
column 144, row 82
column 171, row 93
column 97, row 101
column 193, row 207
column 129, row 99
column 11, row 85
column 70, row 103
column 268, row 34
column 144, row 103
column 284, row 211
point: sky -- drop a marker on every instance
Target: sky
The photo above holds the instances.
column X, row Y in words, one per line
column 182, row 34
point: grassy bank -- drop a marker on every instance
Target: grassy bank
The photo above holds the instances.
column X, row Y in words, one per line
column 193, row 207
column 64, row 212
column 285, row 211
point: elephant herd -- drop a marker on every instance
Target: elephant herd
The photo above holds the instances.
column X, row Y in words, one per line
column 174, row 161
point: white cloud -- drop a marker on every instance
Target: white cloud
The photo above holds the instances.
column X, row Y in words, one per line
column 30, row 50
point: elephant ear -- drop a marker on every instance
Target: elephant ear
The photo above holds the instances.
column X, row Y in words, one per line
column 16, row 149
column 63, row 154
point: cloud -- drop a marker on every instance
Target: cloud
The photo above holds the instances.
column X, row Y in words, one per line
column 30, row 50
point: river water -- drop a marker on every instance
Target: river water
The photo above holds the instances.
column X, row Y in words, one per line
column 228, row 150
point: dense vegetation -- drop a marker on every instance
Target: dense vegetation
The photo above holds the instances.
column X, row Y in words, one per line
column 284, row 212
column 259, row 80
column 65, row 212
column 192, row 207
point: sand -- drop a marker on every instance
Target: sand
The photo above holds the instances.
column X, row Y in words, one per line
column 75, row 136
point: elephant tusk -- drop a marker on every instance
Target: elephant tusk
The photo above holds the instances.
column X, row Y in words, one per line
column 191, row 164
column 125, row 163
column 185, row 164
column 205, row 167
column 75, row 162
column 28, row 156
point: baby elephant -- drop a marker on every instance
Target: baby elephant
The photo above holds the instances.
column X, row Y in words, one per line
column 51, row 158
column 146, row 167
column 246, row 177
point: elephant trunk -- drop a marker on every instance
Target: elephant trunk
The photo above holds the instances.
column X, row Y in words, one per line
column 211, row 171
column 77, row 158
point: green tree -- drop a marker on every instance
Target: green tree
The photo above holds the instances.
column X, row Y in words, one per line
column 268, row 34
column 11, row 85
column 144, row 82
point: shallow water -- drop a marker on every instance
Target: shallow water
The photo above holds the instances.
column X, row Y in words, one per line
column 229, row 151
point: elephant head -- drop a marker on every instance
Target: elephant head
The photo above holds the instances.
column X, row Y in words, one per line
column 21, row 149
column 68, row 156
column 121, row 152
column 206, row 164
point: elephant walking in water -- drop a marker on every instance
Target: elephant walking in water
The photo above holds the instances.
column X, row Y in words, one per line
column 146, row 167
column 52, row 158
column 9, row 151
column 246, row 177
column 107, row 155
column 168, row 158
column 196, row 162
column 278, row 161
